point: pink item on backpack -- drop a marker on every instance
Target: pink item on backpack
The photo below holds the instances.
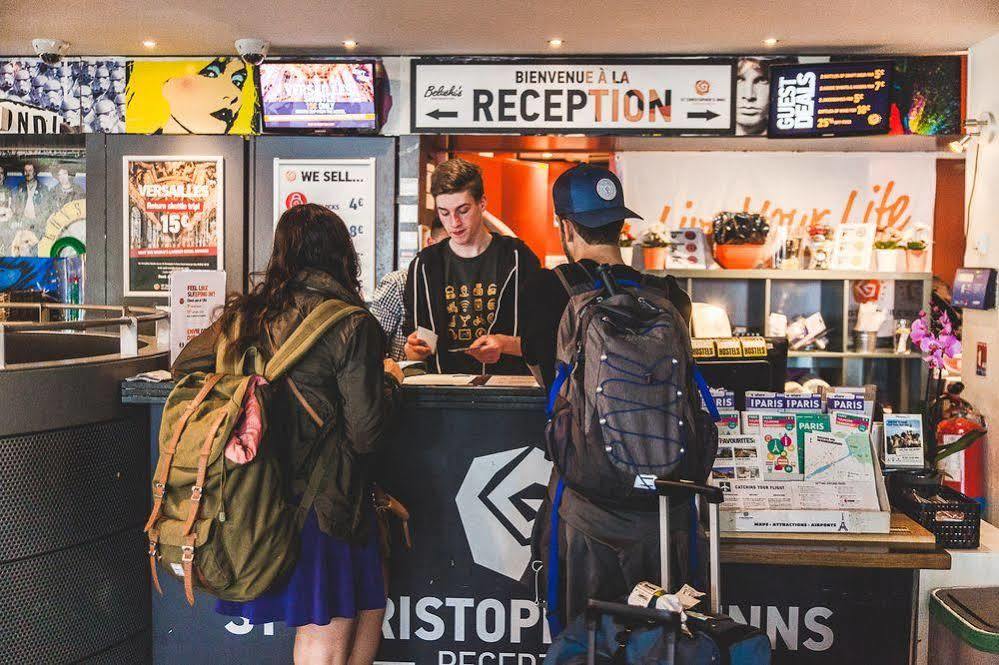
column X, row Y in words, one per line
column 246, row 435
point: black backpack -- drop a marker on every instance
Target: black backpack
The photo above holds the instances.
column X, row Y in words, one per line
column 624, row 406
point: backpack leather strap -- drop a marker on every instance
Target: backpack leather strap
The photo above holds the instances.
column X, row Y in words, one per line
column 197, row 490
column 154, row 539
column 159, row 486
column 187, row 564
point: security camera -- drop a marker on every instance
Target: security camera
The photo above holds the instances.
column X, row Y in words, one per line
column 252, row 51
column 50, row 50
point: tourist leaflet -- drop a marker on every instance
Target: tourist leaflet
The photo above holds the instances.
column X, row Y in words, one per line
column 903, row 440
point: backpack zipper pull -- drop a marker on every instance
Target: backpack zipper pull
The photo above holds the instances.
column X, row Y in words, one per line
column 222, row 495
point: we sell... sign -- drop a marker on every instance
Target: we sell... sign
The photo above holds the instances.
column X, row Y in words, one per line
column 568, row 96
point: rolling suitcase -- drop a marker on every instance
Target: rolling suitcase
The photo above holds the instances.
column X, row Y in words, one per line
column 634, row 633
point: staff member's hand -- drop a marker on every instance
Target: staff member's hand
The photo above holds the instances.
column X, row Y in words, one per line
column 392, row 369
column 416, row 348
column 488, row 348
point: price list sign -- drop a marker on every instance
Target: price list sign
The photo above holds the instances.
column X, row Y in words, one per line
column 830, row 99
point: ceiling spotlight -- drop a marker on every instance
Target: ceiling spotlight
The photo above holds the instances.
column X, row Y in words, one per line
column 149, row 43
column 973, row 127
column 349, row 44
column 771, row 41
column 546, row 155
column 555, row 43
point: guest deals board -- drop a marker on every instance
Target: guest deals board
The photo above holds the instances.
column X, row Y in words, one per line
column 689, row 96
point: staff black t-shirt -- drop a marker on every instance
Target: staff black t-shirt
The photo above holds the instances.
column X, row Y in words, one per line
column 544, row 300
column 471, row 295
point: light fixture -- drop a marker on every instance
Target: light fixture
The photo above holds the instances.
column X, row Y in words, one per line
column 771, row 41
column 546, row 155
column 349, row 44
column 981, row 126
column 149, row 43
column 555, row 43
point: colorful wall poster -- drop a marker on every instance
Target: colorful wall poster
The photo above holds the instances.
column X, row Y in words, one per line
column 209, row 96
column 793, row 190
column 572, row 95
column 345, row 186
column 76, row 95
column 196, row 301
column 173, row 219
column 904, row 440
column 43, row 206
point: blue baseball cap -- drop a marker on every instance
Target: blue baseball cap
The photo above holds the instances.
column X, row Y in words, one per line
column 590, row 196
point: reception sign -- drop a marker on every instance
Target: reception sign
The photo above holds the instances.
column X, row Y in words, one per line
column 173, row 219
column 569, row 96
column 893, row 191
column 345, row 186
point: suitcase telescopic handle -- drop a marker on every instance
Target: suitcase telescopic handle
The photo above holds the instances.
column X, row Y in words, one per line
column 598, row 608
column 710, row 494
column 715, row 497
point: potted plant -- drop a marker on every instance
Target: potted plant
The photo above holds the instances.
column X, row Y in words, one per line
column 626, row 242
column 886, row 255
column 655, row 245
column 915, row 256
column 740, row 240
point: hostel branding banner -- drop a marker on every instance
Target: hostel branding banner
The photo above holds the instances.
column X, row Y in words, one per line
column 639, row 96
column 892, row 191
column 173, row 220
column 345, row 186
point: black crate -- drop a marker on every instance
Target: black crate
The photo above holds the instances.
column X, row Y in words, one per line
column 960, row 533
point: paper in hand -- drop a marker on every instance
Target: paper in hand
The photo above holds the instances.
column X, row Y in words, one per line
column 428, row 336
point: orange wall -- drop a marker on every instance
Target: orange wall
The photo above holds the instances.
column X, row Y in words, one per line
column 948, row 219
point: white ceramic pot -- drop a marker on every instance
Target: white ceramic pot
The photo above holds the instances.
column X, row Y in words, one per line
column 886, row 260
column 627, row 253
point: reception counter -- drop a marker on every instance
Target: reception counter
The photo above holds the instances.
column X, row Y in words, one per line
column 468, row 463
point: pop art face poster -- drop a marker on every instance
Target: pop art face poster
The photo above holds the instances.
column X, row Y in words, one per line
column 173, row 220
column 43, row 206
column 211, row 96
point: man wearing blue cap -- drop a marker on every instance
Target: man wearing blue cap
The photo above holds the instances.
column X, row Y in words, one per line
column 590, row 208
column 602, row 551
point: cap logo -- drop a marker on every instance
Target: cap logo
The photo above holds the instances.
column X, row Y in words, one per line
column 606, row 189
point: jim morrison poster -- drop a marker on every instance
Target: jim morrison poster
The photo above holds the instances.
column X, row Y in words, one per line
column 173, row 220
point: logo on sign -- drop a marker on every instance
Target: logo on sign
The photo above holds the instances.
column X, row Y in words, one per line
column 290, row 176
column 702, row 87
column 295, row 199
column 497, row 503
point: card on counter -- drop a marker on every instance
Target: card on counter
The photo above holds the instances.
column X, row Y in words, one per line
column 784, row 459
column 850, row 422
column 728, row 423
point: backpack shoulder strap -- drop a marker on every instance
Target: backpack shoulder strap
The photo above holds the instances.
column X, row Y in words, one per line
column 562, row 273
column 319, row 320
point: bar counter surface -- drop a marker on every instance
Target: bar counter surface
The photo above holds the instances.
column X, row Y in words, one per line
column 468, row 462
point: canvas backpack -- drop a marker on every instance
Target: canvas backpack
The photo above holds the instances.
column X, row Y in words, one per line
column 623, row 407
column 222, row 526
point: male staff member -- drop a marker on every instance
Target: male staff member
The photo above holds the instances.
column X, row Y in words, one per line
column 604, row 551
column 465, row 290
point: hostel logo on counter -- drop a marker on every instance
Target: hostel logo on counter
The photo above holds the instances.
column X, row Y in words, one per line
column 494, row 501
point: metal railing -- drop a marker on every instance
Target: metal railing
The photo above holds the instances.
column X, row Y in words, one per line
column 127, row 320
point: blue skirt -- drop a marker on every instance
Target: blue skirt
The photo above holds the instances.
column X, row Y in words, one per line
column 332, row 578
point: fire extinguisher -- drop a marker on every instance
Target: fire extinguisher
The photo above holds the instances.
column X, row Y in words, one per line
column 963, row 471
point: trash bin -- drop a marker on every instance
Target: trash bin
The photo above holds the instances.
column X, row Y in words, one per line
column 964, row 626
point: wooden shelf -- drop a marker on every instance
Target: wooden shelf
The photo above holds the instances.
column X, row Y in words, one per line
column 888, row 355
column 800, row 275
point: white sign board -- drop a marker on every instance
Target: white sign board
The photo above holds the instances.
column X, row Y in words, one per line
column 345, row 186
column 196, row 301
column 566, row 96
column 793, row 190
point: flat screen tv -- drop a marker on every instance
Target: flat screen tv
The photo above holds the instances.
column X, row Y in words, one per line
column 319, row 97
column 830, row 99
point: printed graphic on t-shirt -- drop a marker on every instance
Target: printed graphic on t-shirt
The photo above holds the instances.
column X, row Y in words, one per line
column 471, row 309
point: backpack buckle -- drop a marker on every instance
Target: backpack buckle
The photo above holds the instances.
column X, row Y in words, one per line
column 187, row 553
column 159, row 490
column 152, row 548
column 196, row 492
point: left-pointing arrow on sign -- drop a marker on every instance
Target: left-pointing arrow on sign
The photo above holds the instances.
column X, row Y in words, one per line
column 437, row 114
column 707, row 115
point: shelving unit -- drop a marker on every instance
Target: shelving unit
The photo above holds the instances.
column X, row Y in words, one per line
column 749, row 296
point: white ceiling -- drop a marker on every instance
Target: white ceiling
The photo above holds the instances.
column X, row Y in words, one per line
column 498, row 26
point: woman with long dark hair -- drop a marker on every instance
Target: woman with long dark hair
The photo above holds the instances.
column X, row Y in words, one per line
column 339, row 400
